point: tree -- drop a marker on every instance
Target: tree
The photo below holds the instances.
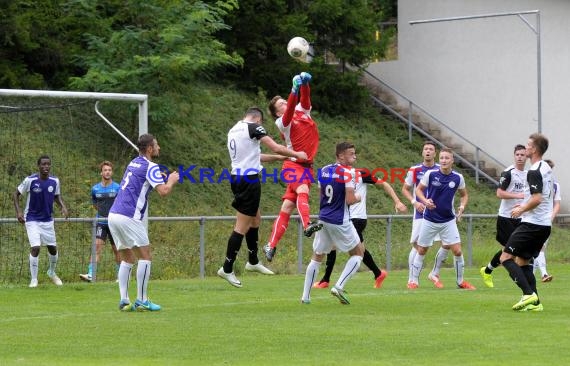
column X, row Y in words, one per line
column 345, row 29
column 37, row 43
column 156, row 47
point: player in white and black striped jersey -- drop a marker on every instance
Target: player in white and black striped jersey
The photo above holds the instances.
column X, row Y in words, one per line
column 511, row 193
column 540, row 261
column 243, row 144
column 529, row 237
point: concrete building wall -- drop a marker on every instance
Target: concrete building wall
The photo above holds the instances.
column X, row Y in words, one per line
column 480, row 76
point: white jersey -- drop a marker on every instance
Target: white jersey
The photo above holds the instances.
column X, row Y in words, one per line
column 243, row 146
column 358, row 209
column 539, row 180
column 512, row 180
column 286, row 130
column 557, row 196
column 414, row 176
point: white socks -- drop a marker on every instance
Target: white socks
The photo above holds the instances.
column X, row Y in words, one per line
column 143, row 276
column 540, row 263
column 124, row 277
column 349, row 270
column 34, row 264
column 459, row 264
column 310, row 276
column 440, row 257
column 52, row 263
column 34, row 267
column 416, row 269
column 411, row 256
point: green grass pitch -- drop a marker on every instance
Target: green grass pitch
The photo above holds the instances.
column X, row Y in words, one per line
column 208, row 322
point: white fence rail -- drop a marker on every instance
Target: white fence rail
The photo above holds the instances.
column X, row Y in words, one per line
column 468, row 220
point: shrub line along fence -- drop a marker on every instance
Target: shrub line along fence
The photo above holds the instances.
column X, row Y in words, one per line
column 467, row 242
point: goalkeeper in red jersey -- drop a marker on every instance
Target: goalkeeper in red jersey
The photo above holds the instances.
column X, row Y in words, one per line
column 293, row 118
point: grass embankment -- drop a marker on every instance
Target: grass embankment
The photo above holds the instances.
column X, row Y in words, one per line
column 78, row 140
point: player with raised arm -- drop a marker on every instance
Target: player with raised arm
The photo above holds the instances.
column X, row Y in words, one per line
column 126, row 221
column 42, row 190
column 413, row 178
column 536, row 215
column 244, row 140
column 436, row 191
column 359, row 218
column 293, row 118
column 511, row 193
column 102, row 196
column 337, row 194
column 540, row 261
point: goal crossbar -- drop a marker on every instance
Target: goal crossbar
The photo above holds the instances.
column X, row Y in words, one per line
column 141, row 99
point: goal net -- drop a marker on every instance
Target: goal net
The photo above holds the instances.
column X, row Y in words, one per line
column 78, row 131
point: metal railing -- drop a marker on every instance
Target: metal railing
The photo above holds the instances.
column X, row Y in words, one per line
column 388, row 219
column 413, row 108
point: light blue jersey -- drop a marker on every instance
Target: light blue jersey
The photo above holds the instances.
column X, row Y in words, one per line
column 103, row 198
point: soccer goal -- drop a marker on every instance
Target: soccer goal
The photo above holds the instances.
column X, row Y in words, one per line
column 78, row 130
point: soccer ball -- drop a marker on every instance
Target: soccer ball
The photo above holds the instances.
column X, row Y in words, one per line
column 298, row 47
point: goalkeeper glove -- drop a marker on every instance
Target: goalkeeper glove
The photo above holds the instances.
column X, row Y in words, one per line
column 296, row 84
column 305, row 77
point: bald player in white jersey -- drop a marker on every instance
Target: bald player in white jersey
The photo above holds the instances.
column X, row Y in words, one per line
column 536, row 214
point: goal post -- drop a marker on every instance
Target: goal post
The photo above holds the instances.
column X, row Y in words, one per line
column 77, row 140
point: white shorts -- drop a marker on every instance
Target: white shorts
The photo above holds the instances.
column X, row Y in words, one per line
column 40, row 233
column 416, row 227
column 128, row 232
column 446, row 230
column 342, row 237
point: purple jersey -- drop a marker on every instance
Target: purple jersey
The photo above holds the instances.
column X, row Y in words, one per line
column 333, row 180
column 441, row 189
column 40, row 196
column 140, row 177
column 414, row 176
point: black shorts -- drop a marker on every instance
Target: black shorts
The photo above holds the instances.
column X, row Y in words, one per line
column 102, row 232
column 505, row 227
column 359, row 225
column 247, row 194
column 527, row 240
